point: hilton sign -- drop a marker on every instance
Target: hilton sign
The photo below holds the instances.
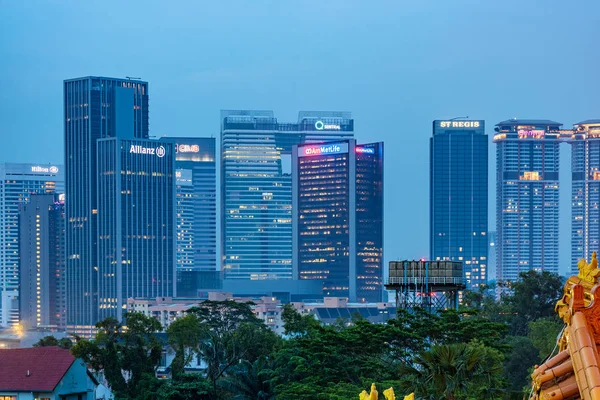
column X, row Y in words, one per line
column 47, row 170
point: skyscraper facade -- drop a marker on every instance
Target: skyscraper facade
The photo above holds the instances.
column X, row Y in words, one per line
column 94, row 108
column 527, row 156
column 196, row 203
column 42, row 262
column 17, row 183
column 136, row 222
column 338, row 217
column 459, row 196
column 492, row 264
column 585, row 191
column 256, row 197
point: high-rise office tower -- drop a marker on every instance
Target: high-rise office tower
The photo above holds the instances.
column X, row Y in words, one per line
column 136, row 222
column 42, row 262
column 338, row 217
column 256, row 200
column 17, row 183
column 458, row 196
column 492, row 264
column 196, row 203
column 527, row 156
column 585, row 191
column 94, row 108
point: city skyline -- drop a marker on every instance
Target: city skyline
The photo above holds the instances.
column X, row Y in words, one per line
column 571, row 252
column 397, row 68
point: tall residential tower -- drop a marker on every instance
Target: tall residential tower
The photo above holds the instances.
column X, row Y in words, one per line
column 458, row 196
column 585, row 192
column 527, row 156
column 256, row 185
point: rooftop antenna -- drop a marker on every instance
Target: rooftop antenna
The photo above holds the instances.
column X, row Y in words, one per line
column 132, row 77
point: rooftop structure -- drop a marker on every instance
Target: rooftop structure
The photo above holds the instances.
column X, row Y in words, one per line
column 427, row 284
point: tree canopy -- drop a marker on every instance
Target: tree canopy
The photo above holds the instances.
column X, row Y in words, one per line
column 485, row 350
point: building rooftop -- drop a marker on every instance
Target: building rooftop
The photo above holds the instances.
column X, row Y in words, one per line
column 375, row 315
column 516, row 122
column 589, row 122
column 136, row 80
column 323, row 114
column 37, row 369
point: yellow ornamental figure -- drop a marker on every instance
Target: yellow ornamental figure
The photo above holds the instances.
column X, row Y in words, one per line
column 589, row 272
column 389, row 394
column 374, row 395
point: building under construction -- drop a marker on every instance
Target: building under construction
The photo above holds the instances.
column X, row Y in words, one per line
column 432, row 285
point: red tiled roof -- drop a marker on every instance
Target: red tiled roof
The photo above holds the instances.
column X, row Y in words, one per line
column 46, row 366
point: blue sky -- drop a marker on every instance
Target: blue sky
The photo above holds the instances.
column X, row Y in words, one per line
column 397, row 65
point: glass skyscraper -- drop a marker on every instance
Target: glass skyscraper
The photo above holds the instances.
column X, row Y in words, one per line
column 42, row 262
column 256, row 199
column 94, row 108
column 459, row 196
column 585, row 191
column 527, row 170
column 17, row 183
column 136, row 222
column 338, row 218
column 196, row 203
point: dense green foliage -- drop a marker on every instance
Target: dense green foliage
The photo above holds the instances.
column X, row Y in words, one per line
column 128, row 357
column 484, row 351
column 64, row 343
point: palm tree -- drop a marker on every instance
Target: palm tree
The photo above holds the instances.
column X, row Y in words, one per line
column 454, row 372
column 250, row 381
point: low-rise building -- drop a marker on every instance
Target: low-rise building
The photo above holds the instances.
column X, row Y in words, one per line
column 268, row 309
column 45, row 373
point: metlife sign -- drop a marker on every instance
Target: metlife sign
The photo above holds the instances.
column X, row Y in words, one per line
column 364, row 150
column 322, row 149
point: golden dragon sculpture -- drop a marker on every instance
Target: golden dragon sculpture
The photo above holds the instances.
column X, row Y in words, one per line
column 574, row 373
